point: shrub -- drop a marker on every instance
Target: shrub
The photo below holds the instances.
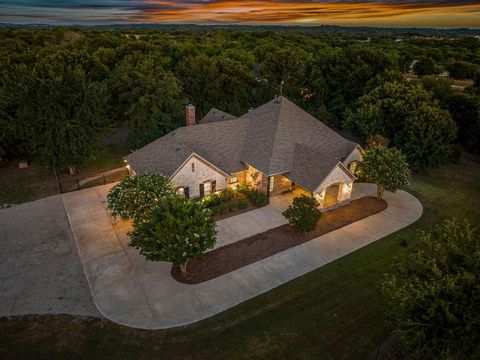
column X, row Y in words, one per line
column 242, row 204
column 258, row 198
column 222, row 209
column 303, row 214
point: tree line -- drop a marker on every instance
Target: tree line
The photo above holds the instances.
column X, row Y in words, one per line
column 63, row 89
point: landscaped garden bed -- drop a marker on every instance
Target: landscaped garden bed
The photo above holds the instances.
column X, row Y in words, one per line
column 247, row 251
column 234, row 202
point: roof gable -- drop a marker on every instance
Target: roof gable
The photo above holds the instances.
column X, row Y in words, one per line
column 276, row 127
column 215, row 115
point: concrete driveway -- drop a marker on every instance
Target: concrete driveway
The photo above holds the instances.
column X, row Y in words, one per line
column 131, row 291
column 40, row 270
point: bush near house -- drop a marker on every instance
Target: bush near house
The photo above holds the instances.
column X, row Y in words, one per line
column 258, row 198
column 226, row 201
column 303, row 213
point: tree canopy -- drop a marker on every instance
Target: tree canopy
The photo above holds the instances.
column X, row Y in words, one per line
column 177, row 231
column 410, row 118
column 435, row 294
column 140, row 79
column 135, row 196
column 386, row 167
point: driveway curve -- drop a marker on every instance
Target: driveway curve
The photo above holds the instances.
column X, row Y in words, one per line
column 133, row 292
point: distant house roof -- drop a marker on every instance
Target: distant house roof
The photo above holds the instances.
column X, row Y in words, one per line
column 215, row 115
column 276, row 138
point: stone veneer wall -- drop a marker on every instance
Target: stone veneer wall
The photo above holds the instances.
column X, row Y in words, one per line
column 281, row 185
column 337, row 176
column 256, row 179
column 185, row 177
column 241, row 177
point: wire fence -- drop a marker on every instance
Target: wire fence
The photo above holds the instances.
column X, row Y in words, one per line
column 100, row 179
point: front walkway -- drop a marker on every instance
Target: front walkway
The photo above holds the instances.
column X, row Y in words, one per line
column 131, row 291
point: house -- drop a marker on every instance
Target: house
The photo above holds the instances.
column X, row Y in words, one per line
column 276, row 148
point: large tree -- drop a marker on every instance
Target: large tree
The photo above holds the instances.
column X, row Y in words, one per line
column 465, row 110
column 386, row 167
column 407, row 115
column 147, row 97
column 435, row 294
column 53, row 112
column 177, row 230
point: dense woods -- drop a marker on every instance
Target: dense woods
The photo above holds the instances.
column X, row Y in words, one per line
column 63, row 89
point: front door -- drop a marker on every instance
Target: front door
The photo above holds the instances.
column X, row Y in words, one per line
column 331, row 195
column 202, row 190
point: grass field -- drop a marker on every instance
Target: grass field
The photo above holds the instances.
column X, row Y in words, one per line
column 335, row 312
column 22, row 185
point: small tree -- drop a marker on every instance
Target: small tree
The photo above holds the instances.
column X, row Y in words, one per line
column 386, row 167
column 303, row 213
column 134, row 196
column 177, row 230
column 435, row 294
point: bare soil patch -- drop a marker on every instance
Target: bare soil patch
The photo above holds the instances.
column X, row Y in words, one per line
column 247, row 251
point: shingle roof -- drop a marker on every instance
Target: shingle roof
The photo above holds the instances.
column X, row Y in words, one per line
column 277, row 137
column 277, row 126
column 219, row 143
column 215, row 115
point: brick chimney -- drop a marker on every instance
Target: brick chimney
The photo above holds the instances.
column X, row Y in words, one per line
column 190, row 115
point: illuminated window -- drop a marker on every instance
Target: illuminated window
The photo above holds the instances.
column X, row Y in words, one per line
column 271, row 182
column 181, row 191
column 233, row 180
column 193, row 167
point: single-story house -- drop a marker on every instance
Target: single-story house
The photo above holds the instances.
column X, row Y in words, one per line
column 276, row 148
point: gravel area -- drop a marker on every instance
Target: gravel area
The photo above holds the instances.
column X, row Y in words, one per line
column 40, row 270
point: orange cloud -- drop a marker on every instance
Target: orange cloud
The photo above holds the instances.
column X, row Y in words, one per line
column 441, row 14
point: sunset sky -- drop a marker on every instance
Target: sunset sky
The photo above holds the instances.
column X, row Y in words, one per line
column 284, row 12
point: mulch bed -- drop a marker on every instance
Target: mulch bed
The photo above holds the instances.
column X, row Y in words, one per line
column 237, row 211
column 247, row 251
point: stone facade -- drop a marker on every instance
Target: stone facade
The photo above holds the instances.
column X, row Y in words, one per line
column 281, row 185
column 202, row 172
column 256, row 179
column 337, row 177
column 241, row 179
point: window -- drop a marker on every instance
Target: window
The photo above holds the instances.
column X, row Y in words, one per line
column 271, row 182
column 233, row 180
column 181, row 191
column 193, row 166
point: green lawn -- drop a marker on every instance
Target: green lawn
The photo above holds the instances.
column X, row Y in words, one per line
column 336, row 312
column 22, row 185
